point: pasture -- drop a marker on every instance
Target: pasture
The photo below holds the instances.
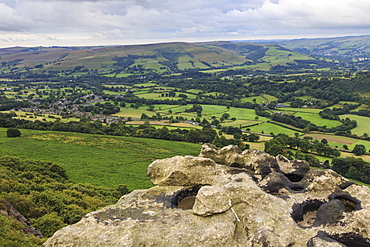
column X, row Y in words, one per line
column 267, row 128
column 43, row 117
column 99, row 160
column 362, row 124
column 132, row 112
column 304, row 110
column 339, row 141
column 317, row 120
column 258, row 99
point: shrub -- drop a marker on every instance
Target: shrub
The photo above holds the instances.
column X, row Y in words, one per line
column 13, row 132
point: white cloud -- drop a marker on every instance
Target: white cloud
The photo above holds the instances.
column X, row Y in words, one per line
column 123, row 21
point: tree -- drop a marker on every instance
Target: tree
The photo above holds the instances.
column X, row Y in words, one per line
column 193, row 136
column 237, row 136
column 144, row 116
column 13, row 132
column 216, row 141
column 122, row 189
column 151, row 108
column 359, row 149
column 312, row 160
column 275, row 149
column 208, row 134
column 324, row 141
column 253, row 137
column 353, row 173
column 226, row 115
column 326, row 164
column 163, row 133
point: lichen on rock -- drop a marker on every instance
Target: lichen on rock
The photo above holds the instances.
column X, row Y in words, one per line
column 228, row 197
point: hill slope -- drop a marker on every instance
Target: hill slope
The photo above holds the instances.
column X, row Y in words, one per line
column 352, row 47
column 153, row 57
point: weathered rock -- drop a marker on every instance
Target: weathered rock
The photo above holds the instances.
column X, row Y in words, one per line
column 330, row 213
column 256, row 162
column 229, row 156
column 186, row 171
column 321, row 240
column 230, row 198
column 295, row 169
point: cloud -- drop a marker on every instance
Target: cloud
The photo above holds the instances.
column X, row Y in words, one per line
column 307, row 14
column 10, row 19
column 128, row 20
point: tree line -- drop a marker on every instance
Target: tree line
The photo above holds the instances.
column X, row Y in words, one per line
column 281, row 144
column 204, row 135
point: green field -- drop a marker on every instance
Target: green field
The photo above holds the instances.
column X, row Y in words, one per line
column 269, row 98
column 246, row 114
column 45, row 117
column 361, row 107
column 317, row 120
column 134, row 113
column 267, row 128
column 238, row 123
column 339, row 141
column 259, row 99
column 362, row 124
column 195, row 91
column 311, row 115
column 293, row 110
column 99, row 160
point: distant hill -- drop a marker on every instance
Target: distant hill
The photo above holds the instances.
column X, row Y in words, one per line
column 340, row 48
column 160, row 58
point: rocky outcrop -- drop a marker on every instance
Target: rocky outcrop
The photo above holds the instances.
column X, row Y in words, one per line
column 230, row 198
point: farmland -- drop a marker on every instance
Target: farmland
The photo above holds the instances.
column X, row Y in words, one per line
column 105, row 113
column 187, row 87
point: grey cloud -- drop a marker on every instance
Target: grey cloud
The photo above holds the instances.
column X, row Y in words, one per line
column 120, row 20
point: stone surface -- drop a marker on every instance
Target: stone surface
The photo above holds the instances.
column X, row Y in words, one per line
column 230, row 198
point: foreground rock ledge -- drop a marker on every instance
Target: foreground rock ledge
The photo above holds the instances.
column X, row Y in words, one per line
column 230, row 198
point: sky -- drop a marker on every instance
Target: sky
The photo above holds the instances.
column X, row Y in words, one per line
column 122, row 22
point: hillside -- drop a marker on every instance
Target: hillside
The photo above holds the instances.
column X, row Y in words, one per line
column 341, row 48
column 159, row 58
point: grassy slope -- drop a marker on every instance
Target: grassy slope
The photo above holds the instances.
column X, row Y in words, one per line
column 267, row 128
column 213, row 55
column 100, row 160
column 339, row 44
column 362, row 124
column 310, row 115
